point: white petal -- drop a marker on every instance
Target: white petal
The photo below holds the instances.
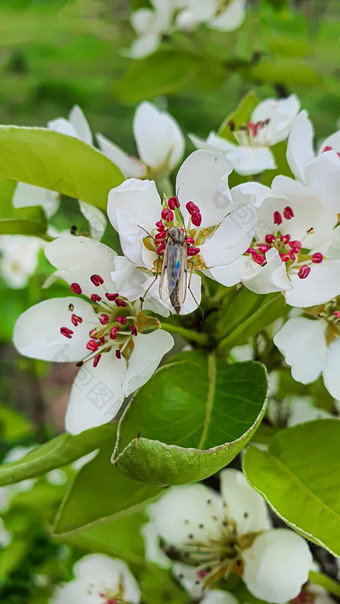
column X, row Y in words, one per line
column 322, row 284
column 281, row 114
column 137, row 198
column 29, row 195
column 244, row 504
column 97, row 393
column 215, row 596
column 277, row 565
column 251, row 160
column 300, row 145
column 80, row 124
column 19, row 258
column 228, row 275
column 37, row 331
column 63, row 126
column 231, row 18
column 130, row 166
column 95, row 218
column 213, row 143
column 302, row 342
column 78, row 258
column 252, row 191
column 153, row 551
column 143, row 21
column 148, row 352
column 332, row 141
column 144, row 46
column 323, row 175
column 331, row 375
column 231, row 239
column 187, row 576
column 159, row 139
column 183, row 510
column 203, row 179
column 303, row 410
column 202, row 10
column 127, row 279
column 269, row 278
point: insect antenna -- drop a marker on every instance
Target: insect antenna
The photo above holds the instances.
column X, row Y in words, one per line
column 147, row 232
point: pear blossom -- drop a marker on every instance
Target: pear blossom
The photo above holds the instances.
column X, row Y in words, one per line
column 221, row 15
column 159, row 141
column 212, row 535
column 216, row 596
column 217, row 225
column 319, row 170
column 19, row 259
column 150, row 25
column 99, row 579
column 102, row 334
column 311, row 346
column 25, row 195
column 289, row 252
column 269, row 124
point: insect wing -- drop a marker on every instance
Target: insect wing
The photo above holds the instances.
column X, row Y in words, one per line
column 177, row 270
column 163, row 294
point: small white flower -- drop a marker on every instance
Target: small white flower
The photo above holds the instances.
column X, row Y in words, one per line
column 105, row 329
column 221, row 15
column 321, row 170
column 312, row 347
column 216, row 596
column 218, row 224
column 150, row 25
column 99, row 579
column 269, row 124
column 213, row 535
column 19, row 259
column 159, row 140
column 289, row 252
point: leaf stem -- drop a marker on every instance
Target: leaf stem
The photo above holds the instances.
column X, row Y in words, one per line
column 319, row 579
column 189, row 334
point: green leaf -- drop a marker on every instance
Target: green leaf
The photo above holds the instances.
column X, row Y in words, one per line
column 158, row 585
column 240, row 116
column 119, row 494
column 285, row 69
column 11, row 556
column 22, row 221
column 190, row 419
column 164, row 72
column 58, row 452
column 299, row 476
column 13, row 426
column 55, row 161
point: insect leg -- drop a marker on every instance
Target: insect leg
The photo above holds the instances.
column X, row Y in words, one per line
column 189, row 284
column 142, row 299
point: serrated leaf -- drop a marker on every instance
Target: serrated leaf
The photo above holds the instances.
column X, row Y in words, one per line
column 190, row 419
column 299, row 476
column 59, row 162
column 240, row 116
column 56, row 453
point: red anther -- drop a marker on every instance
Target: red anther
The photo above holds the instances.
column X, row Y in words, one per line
column 75, row 287
column 288, row 213
column 327, row 148
column 292, row 254
column 251, row 251
column 304, row 271
column 121, row 303
column 65, row 331
column 285, row 238
column 167, row 215
column 317, row 258
column 96, row 360
column 192, row 208
column 133, row 330
column 173, row 203
column 277, row 218
column 118, row 354
column 160, row 249
column 121, row 320
column 76, row 320
column 95, row 298
column 253, row 127
column 160, row 236
column 269, row 239
column 92, row 345
column 160, row 226
column 114, row 331
column 97, row 280
column 231, row 125
column 285, row 257
column 192, row 251
column 196, row 219
column 190, row 240
column 202, row 573
column 295, row 245
column 104, row 319
column 111, row 297
column 259, row 258
column 93, row 333
column 336, row 313
column 263, row 247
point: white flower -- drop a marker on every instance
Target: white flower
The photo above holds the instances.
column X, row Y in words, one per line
column 269, row 124
column 25, row 195
column 216, row 223
column 150, row 25
column 303, row 410
column 19, row 259
column 214, row 535
column 289, row 251
column 99, row 579
column 105, row 329
column 222, row 15
column 312, row 346
column 159, row 140
column 215, row 596
column 320, row 171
